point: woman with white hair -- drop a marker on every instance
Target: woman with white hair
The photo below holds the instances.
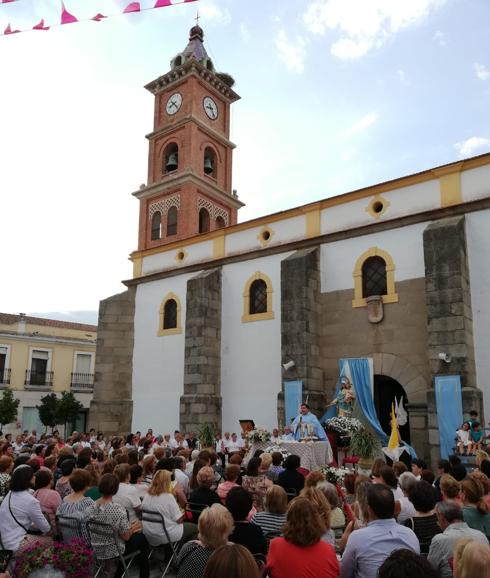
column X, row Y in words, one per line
column 406, row 481
column 215, row 526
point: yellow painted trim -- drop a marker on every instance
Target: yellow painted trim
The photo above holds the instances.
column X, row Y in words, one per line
column 219, row 246
column 342, row 199
column 174, row 330
column 137, row 267
column 269, row 314
column 450, row 189
column 391, row 296
column 260, row 236
column 377, row 199
column 313, row 223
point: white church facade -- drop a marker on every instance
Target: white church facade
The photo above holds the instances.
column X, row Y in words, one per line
column 397, row 273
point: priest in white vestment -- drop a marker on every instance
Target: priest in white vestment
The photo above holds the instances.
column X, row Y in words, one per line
column 306, row 424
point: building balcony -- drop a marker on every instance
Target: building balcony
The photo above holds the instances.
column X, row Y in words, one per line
column 41, row 380
column 5, row 377
column 82, row 382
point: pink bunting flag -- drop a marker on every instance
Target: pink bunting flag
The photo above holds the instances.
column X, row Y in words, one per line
column 9, row 30
column 98, row 17
column 7, row 1
column 162, row 3
column 132, row 7
column 66, row 17
column 40, row 26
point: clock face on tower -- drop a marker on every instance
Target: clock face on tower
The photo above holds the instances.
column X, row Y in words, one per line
column 174, row 103
column 210, row 107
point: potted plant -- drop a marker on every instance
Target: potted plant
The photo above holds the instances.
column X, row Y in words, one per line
column 206, row 436
column 364, row 444
column 73, row 559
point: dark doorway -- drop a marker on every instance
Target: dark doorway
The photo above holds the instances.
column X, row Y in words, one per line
column 385, row 391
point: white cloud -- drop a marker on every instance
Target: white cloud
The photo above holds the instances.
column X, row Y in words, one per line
column 440, row 38
column 364, row 25
column 211, row 12
column 402, row 77
column 481, row 71
column 362, row 124
column 291, row 53
column 470, row 146
column 244, row 32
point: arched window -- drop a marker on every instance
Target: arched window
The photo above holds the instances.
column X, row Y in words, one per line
column 374, row 277
column 170, row 314
column 171, row 158
column 374, row 274
column 210, row 162
column 220, row 222
column 169, row 319
column 258, row 297
column 156, row 226
column 172, row 221
column 203, row 221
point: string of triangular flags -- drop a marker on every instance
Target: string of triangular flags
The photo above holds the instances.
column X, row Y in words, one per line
column 68, row 18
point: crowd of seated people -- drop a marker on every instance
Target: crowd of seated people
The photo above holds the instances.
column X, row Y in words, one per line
column 227, row 514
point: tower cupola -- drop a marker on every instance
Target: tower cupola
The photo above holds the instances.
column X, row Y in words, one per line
column 194, row 50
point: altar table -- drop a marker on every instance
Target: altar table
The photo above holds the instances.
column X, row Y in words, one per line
column 313, row 455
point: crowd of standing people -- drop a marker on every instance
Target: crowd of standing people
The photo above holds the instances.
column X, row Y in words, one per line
column 220, row 512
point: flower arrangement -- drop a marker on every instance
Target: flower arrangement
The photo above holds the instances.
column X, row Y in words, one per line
column 276, row 448
column 74, row 558
column 343, row 425
column 335, row 475
column 259, row 434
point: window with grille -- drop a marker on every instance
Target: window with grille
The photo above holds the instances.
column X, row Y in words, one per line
column 170, row 314
column 156, row 226
column 172, row 221
column 203, row 221
column 374, row 277
column 258, row 297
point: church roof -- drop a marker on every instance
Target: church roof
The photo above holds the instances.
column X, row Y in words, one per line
column 11, row 319
column 195, row 47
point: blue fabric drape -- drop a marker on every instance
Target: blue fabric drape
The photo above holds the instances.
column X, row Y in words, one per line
column 293, row 391
column 449, row 410
column 361, row 377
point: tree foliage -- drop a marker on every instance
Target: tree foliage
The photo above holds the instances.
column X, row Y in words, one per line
column 8, row 408
column 48, row 410
column 68, row 408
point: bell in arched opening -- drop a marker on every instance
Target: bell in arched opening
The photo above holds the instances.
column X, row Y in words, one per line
column 208, row 165
column 172, row 163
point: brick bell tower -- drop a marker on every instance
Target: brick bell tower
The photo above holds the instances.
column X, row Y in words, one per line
column 190, row 155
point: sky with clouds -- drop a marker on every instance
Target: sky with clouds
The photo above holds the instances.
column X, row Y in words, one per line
column 336, row 95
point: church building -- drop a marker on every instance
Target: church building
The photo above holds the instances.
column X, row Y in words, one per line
column 220, row 316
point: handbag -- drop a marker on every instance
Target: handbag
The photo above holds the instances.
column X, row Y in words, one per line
column 32, row 531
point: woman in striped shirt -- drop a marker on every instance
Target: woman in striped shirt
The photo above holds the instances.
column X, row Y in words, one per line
column 273, row 518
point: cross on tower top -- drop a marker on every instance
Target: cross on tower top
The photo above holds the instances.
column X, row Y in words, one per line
column 197, row 18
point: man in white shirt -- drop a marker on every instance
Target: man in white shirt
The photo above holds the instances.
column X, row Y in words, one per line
column 226, row 439
column 234, row 445
column 180, row 475
column 127, row 495
column 275, row 437
column 287, row 436
column 367, row 548
column 178, row 442
column 450, row 518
